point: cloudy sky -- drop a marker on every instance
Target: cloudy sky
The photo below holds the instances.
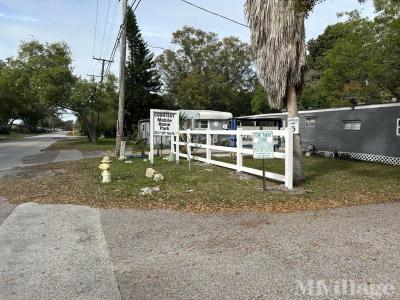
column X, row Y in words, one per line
column 74, row 21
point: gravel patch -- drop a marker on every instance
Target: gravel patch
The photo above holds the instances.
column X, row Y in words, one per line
column 163, row 254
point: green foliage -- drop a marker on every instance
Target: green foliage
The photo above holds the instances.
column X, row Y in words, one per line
column 94, row 105
column 207, row 73
column 356, row 60
column 30, row 83
column 142, row 78
column 259, row 100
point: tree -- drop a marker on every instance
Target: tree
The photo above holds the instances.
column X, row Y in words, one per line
column 278, row 37
column 362, row 65
column 30, row 82
column 142, row 78
column 205, row 72
column 92, row 105
column 258, row 100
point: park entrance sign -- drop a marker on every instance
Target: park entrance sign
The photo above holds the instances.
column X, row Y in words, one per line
column 263, row 148
column 263, row 144
column 162, row 123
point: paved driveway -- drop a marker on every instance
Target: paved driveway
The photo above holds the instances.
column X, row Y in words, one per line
column 29, row 151
column 68, row 252
column 13, row 153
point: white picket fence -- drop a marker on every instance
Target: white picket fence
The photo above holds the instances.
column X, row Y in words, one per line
column 287, row 134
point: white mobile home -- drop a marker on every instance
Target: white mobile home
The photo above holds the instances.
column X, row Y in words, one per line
column 195, row 119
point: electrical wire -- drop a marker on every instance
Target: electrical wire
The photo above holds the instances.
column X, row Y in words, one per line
column 105, row 28
column 118, row 39
column 95, row 37
column 214, row 13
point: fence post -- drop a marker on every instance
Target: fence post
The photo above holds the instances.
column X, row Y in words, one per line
column 239, row 147
column 177, row 148
column 188, row 141
column 208, row 149
column 171, row 156
column 289, row 158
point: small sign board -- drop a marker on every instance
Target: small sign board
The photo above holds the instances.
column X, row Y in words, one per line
column 162, row 123
column 294, row 123
column 165, row 122
column 263, row 144
column 122, row 149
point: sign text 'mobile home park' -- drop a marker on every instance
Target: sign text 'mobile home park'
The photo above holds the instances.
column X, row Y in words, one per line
column 165, row 122
column 162, row 123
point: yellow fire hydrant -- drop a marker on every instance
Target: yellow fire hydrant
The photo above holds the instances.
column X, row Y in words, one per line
column 105, row 169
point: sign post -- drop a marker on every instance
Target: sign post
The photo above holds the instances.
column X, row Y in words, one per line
column 263, row 148
column 162, row 123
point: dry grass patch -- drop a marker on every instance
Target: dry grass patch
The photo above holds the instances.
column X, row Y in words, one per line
column 330, row 183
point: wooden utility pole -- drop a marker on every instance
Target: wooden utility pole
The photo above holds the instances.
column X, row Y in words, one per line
column 92, row 77
column 121, row 103
column 103, row 61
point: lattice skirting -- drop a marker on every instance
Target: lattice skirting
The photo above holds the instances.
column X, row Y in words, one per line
column 388, row 160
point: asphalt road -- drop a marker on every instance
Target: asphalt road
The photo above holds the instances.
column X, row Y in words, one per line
column 14, row 154
column 74, row 252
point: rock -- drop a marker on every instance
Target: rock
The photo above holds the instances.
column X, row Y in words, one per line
column 122, row 158
column 158, row 177
column 144, row 159
column 189, row 191
column 208, row 170
column 128, row 162
column 150, row 172
column 149, row 190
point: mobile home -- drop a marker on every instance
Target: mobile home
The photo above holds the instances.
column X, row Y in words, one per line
column 367, row 132
column 195, row 120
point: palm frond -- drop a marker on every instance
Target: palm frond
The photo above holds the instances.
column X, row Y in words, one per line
column 278, row 39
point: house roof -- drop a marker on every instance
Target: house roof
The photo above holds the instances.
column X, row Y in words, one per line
column 207, row 114
column 305, row 112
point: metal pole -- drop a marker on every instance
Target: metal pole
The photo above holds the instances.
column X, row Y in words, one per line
column 121, row 103
column 263, row 170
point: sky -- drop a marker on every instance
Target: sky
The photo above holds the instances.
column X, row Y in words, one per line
column 74, row 22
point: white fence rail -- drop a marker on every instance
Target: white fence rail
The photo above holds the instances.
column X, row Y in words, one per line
column 287, row 134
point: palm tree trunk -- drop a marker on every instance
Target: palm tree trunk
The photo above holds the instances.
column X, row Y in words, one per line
column 298, row 168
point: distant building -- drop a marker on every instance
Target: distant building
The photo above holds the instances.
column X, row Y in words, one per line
column 368, row 132
column 196, row 120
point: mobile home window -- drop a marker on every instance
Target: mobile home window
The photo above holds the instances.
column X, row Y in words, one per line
column 202, row 124
column 398, row 127
column 352, row 125
column 310, row 121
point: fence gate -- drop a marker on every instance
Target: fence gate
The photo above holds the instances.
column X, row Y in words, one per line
column 239, row 150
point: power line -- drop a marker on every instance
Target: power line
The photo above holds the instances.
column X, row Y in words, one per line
column 105, row 28
column 112, row 27
column 119, row 36
column 214, row 13
column 95, row 35
column 156, row 47
column 95, row 27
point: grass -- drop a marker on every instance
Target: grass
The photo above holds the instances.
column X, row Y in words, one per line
column 12, row 136
column 82, row 144
column 330, row 183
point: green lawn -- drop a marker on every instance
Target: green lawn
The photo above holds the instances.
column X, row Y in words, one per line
column 83, row 144
column 329, row 183
column 12, row 136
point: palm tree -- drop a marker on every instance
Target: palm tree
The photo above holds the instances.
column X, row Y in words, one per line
column 278, row 38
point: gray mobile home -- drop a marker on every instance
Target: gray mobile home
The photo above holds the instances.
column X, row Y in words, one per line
column 367, row 132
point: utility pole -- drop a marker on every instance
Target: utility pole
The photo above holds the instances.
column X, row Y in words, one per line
column 92, row 77
column 103, row 61
column 121, row 103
